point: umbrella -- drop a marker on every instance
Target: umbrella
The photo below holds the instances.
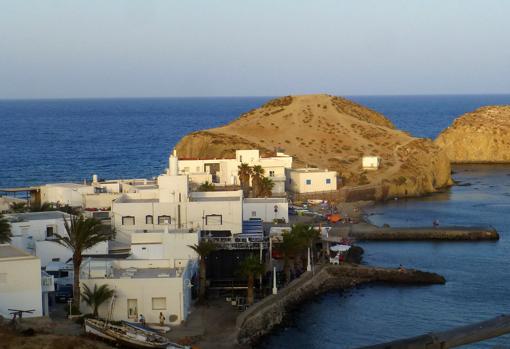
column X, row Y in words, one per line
column 340, row 248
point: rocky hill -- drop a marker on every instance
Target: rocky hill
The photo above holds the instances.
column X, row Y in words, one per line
column 479, row 136
column 333, row 133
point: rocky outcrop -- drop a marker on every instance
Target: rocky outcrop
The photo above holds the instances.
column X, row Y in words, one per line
column 481, row 136
column 261, row 318
column 333, row 133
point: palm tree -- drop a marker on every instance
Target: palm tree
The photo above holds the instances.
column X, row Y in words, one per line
column 5, row 230
column 290, row 247
column 251, row 267
column 244, row 172
column 257, row 174
column 306, row 234
column 266, row 187
column 206, row 186
column 82, row 234
column 203, row 249
column 18, row 207
column 97, row 296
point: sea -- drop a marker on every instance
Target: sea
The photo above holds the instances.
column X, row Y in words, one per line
column 43, row 141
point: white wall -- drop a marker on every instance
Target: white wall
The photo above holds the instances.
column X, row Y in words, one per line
column 173, row 246
column 264, row 209
column 310, row 181
column 46, row 250
column 371, row 162
column 20, row 285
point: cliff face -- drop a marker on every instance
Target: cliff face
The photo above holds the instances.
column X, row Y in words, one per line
column 333, row 133
column 479, row 136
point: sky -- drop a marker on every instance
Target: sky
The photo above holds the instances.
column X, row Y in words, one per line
column 174, row 48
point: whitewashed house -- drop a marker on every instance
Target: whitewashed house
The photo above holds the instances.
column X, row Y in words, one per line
column 34, row 232
column 371, row 162
column 223, row 172
column 156, row 278
column 310, row 180
column 20, row 282
column 266, row 209
column 170, row 204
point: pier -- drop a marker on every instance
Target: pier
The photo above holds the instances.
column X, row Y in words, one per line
column 473, row 333
column 262, row 317
column 368, row 232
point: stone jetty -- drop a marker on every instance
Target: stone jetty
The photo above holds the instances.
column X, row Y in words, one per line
column 261, row 318
column 368, row 232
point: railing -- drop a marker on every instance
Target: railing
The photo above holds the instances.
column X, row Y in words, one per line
column 240, row 243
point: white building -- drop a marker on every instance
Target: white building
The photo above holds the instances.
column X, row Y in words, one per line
column 34, row 232
column 371, row 162
column 310, row 180
column 20, row 282
column 156, row 278
column 224, row 171
column 266, row 209
column 170, row 204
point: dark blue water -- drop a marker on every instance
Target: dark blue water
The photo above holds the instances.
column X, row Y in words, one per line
column 478, row 282
column 69, row 140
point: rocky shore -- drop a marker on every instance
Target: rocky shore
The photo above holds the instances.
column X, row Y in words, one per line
column 261, row 318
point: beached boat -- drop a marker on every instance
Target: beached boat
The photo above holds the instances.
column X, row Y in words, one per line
column 127, row 336
column 149, row 327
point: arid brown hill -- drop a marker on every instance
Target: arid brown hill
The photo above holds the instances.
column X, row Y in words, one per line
column 479, row 136
column 333, row 133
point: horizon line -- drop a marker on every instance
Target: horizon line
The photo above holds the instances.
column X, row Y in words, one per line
column 255, row 96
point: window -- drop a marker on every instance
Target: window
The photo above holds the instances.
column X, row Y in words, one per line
column 149, row 219
column 214, row 219
column 328, row 180
column 159, row 303
column 254, row 213
column 128, row 220
column 308, row 181
column 50, row 230
column 271, row 173
column 164, row 220
column 186, row 169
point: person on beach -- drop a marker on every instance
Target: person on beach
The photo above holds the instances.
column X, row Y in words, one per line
column 161, row 319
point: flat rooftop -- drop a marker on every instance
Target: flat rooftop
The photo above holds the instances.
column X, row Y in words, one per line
column 34, row 216
column 144, row 273
column 8, row 251
column 305, row 170
column 266, row 200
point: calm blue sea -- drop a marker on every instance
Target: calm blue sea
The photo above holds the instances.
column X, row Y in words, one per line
column 69, row 140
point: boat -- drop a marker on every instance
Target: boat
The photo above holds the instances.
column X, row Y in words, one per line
column 148, row 327
column 127, row 336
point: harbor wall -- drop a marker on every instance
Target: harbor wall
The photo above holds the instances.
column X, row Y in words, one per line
column 261, row 318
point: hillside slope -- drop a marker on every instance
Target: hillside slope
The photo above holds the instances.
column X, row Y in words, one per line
column 480, row 136
column 333, row 133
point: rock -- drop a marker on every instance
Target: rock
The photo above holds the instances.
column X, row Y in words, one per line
column 333, row 133
column 480, row 136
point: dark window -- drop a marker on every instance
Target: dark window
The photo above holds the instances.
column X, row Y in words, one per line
column 49, row 231
column 164, row 220
column 308, row 181
column 149, row 219
column 214, row 219
column 328, row 180
column 128, row 220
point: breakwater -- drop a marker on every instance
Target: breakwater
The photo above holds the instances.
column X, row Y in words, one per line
column 261, row 318
column 369, row 232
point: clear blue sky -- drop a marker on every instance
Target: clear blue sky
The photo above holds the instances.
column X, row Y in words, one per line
column 108, row 48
